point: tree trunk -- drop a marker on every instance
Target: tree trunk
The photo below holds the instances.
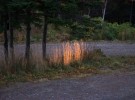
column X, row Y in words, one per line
column 11, row 37
column 131, row 12
column 5, row 41
column 44, row 37
column 89, row 11
column 104, row 10
column 28, row 33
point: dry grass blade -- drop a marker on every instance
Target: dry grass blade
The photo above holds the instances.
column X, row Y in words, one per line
column 67, row 53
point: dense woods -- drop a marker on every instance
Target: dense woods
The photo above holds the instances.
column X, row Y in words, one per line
column 15, row 14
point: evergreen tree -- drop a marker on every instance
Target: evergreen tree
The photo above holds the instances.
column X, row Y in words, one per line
column 4, row 25
column 49, row 9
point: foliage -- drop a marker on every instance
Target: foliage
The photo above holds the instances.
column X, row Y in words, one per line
column 95, row 29
column 113, row 31
column 80, row 28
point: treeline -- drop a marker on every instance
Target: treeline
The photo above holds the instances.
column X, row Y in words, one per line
column 15, row 14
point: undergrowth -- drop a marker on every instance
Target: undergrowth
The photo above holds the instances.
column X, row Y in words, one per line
column 73, row 60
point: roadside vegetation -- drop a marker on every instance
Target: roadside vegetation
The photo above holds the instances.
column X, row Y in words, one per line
column 69, row 60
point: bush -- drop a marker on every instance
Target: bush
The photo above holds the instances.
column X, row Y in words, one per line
column 126, row 32
column 110, row 31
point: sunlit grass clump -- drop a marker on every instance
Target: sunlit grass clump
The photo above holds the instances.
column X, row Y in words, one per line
column 67, row 53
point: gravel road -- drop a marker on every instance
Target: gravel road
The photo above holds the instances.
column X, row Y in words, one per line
column 115, row 48
column 108, row 48
column 99, row 87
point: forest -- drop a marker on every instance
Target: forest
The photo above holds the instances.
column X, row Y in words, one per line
column 63, row 21
column 15, row 14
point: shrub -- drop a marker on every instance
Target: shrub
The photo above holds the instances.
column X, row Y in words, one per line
column 111, row 31
column 126, row 32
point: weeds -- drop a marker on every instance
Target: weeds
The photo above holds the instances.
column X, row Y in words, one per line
column 64, row 61
column 60, row 56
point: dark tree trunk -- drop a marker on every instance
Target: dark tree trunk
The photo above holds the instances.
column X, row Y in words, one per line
column 89, row 11
column 5, row 40
column 28, row 33
column 11, row 36
column 44, row 37
column 131, row 12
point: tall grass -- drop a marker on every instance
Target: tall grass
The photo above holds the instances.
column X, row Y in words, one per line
column 60, row 56
column 56, row 56
column 67, row 53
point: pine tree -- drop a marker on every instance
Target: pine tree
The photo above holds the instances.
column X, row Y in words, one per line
column 49, row 9
column 4, row 25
